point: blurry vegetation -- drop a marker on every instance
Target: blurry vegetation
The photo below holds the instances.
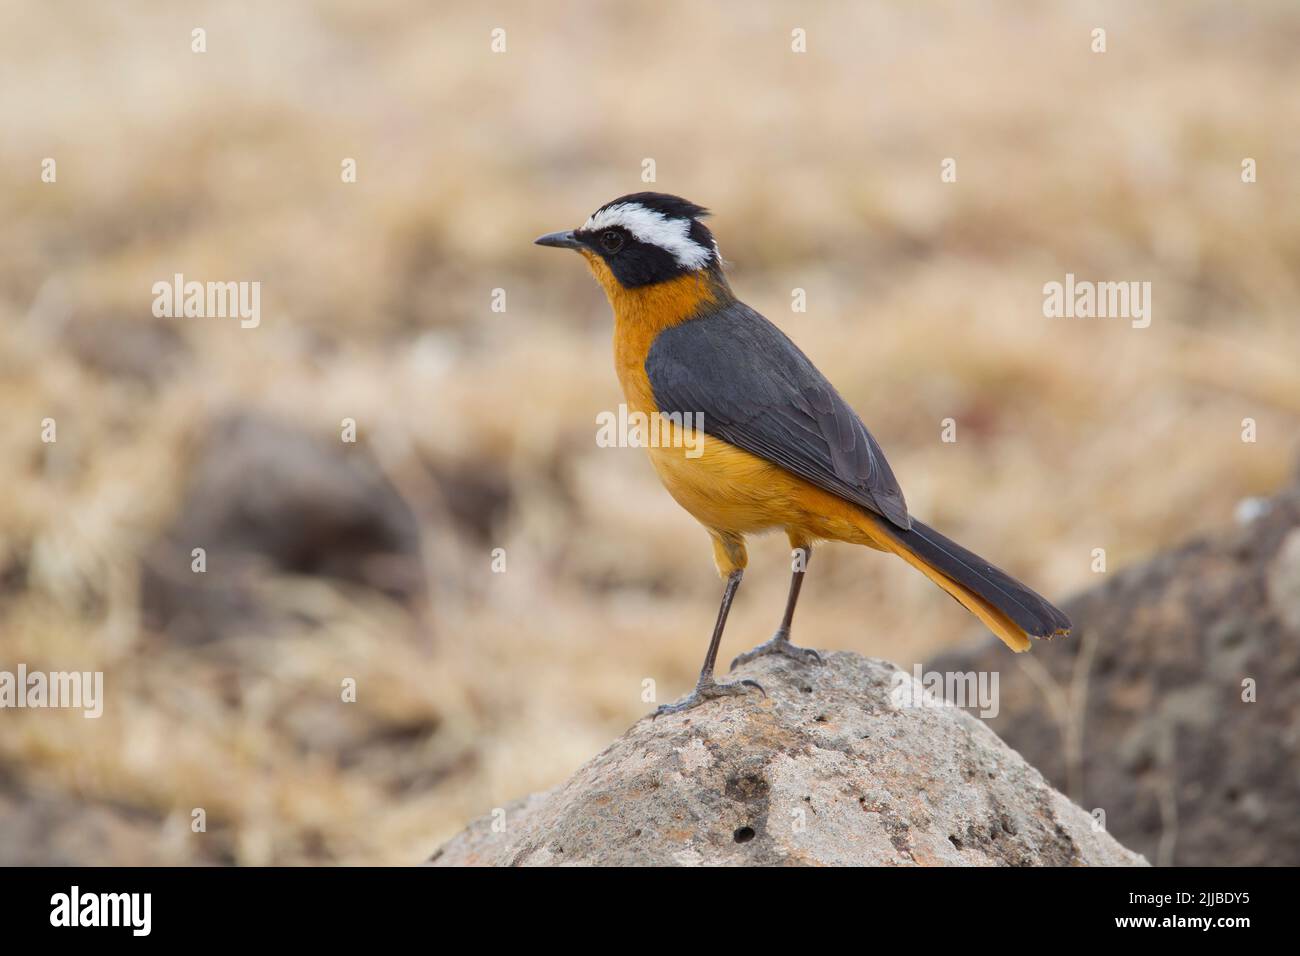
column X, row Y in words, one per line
column 476, row 429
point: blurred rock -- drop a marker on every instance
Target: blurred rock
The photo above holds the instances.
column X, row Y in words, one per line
column 140, row 350
column 476, row 494
column 45, row 827
column 1141, row 712
column 268, row 497
column 829, row 769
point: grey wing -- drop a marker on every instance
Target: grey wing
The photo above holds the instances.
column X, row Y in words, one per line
column 757, row 391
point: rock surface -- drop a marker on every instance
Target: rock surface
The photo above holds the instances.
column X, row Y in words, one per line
column 1145, row 712
column 832, row 768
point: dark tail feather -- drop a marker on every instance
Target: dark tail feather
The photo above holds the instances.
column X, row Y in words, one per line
column 1028, row 610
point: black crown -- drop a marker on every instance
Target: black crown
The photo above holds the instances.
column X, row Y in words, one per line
column 674, row 207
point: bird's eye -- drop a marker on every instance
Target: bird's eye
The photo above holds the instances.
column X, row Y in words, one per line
column 611, row 240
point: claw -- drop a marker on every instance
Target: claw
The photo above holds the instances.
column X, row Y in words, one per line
column 779, row 644
column 709, row 691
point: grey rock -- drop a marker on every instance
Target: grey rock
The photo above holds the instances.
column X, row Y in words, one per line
column 1175, row 705
column 833, row 767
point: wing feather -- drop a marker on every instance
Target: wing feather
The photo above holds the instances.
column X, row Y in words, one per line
column 758, row 391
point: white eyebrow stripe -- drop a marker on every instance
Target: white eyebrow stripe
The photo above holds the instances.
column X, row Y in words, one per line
column 647, row 225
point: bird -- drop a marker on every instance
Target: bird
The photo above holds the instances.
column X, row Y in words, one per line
column 780, row 449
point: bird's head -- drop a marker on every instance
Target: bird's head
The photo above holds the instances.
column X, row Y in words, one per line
column 643, row 239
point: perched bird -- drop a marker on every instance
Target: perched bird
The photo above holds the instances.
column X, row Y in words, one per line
column 781, row 449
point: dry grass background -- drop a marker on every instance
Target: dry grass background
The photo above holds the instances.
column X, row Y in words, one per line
column 823, row 169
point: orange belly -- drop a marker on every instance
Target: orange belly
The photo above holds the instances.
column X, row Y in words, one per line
column 729, row 490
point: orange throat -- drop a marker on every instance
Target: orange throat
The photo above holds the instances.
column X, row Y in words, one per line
column 640, row 314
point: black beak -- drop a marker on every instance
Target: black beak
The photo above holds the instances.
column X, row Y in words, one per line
column 560, row 240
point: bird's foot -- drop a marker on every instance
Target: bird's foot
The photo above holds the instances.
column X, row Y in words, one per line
column 779, row 644
column 710, row 690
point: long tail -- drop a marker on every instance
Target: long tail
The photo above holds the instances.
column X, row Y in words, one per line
column 1009, row 609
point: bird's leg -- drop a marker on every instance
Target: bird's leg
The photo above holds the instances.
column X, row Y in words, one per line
column 706, row 688
column 780, row 641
